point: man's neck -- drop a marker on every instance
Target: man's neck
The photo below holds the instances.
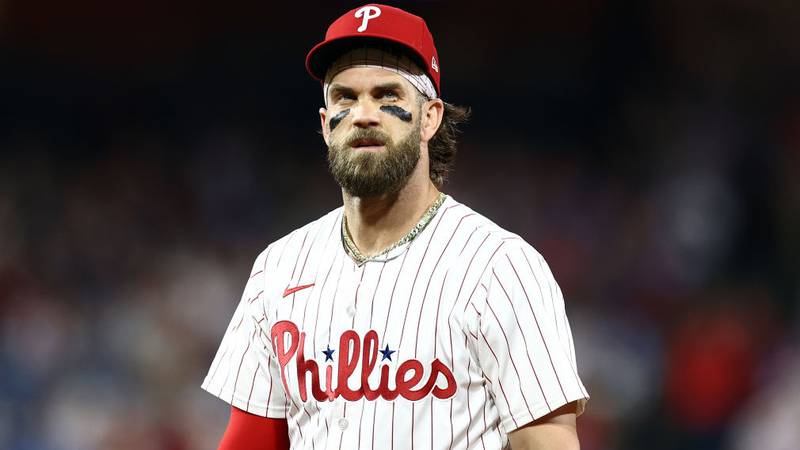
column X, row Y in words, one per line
column 378, row 222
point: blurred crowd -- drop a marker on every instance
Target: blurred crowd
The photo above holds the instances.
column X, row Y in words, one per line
column 650, row 152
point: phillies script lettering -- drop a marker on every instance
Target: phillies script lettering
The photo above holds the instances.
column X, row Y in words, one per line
column 351, row 347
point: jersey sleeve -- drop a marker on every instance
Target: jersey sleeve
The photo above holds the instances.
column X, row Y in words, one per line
column 524, row 344
column 244, row 372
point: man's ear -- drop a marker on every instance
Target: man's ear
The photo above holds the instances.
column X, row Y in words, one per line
column 326, row 132
column 432, row 114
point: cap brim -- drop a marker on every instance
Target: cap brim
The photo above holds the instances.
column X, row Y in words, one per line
column 323, row 54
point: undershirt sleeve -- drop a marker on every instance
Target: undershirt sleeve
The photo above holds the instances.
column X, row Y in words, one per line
column 248, row 431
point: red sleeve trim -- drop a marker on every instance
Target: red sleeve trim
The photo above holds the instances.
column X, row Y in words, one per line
column 251, row 432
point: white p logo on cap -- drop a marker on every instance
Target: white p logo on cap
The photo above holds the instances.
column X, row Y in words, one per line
column 368, row 12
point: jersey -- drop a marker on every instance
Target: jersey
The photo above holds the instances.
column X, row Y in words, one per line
column 452, row 340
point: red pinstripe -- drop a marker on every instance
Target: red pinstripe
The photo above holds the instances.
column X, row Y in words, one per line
column 524, row 340
column 252, row 384
column 469, row 409
column 327, row 430
column 386, row 327
column 566, row 323
column 280, row 257
column 449, row 321
column 483, row 414
column 411, row 295
column 436, row 327
column 374, row 408
column 536, row 320
column 374, row 293
column 352, row 325
column 319, row 300
column 499, row 382
column 508, row 347
column 341, row 435
column 391, row 297
column 291, row 312
column 289, row 399
column 371, row 310
column 392, row 425
column 451, row 423
column 549, row 286
column 414, row 285
column 469, row 388
column 271, row 382
column 308, row 299
column 266, row 259
column 239, row 369
column 221, row 359
column 360, row 423
column 355, row 303
column 300, row 252
column 433, row 271
column 333, row 302
column 469, row 299
column 256, row 297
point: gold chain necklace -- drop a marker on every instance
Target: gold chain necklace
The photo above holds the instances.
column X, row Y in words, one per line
column 360, row 258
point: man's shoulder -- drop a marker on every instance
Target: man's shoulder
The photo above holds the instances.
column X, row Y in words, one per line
column 485, row 228
column 320, row 228
column 492, row 236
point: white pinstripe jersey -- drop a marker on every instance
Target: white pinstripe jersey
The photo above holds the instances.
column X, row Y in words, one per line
column 453, row 341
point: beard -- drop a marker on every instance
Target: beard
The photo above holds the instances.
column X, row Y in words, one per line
column 371, row 174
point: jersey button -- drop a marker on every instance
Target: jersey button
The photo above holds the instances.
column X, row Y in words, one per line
column 342, row 423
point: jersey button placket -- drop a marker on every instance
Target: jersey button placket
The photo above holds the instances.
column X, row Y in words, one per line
column 354, row 283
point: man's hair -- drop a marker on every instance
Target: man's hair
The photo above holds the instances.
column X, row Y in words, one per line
column 442, row 146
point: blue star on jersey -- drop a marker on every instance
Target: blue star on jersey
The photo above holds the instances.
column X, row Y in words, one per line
column 386, row 353
column 328, row 354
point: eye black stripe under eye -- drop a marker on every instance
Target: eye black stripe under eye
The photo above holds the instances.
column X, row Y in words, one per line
column 338, row 118
column 398, row 112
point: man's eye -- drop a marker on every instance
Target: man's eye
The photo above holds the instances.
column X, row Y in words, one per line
column 345, row 97
column 390, row 95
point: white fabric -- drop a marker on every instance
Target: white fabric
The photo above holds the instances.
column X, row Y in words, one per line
column 377, row 58
column 466, row 293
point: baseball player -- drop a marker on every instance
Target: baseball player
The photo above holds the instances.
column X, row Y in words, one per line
column 403, row 319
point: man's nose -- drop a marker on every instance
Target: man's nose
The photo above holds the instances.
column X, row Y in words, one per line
column 365, row 115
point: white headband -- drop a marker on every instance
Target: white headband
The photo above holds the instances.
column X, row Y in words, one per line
column 381, row 59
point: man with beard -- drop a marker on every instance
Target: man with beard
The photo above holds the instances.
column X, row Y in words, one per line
column 402, row 319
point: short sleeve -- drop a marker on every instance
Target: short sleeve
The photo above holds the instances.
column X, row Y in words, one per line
column 244, row 373
column 524, row 345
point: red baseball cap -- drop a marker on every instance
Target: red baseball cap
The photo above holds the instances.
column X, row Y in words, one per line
column 381, row 23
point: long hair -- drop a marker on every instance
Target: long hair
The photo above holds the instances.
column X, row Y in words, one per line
column 442, row 146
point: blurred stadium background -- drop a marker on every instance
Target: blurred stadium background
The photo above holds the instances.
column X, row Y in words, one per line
column 650, row 150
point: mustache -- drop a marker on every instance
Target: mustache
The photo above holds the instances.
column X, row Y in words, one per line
column 367, row 134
